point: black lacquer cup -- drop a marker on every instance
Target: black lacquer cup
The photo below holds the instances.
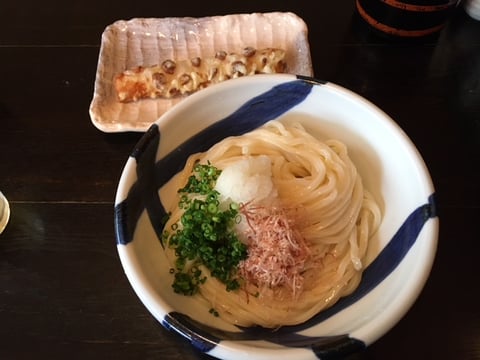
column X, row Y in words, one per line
column 406, row 18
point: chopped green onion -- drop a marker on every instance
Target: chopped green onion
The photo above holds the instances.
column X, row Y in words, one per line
column 206, row 236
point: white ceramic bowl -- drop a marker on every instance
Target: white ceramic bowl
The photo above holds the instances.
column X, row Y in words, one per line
column 401, row 253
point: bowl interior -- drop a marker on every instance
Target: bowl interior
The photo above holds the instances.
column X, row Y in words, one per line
column 390, row 166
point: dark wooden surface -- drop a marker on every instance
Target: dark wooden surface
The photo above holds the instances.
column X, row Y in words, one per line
column 63, row 293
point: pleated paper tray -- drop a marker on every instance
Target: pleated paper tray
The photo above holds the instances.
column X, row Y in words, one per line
column 148, row 41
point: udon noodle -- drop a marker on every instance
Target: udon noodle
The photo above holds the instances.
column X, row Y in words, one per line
column 318, row 194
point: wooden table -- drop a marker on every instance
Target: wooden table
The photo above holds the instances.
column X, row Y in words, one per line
column 63, row 293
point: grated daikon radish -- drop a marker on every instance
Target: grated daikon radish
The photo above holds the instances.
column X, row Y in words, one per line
column 247, row 180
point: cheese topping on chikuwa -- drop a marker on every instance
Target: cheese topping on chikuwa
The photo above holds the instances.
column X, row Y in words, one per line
column 175, row 78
